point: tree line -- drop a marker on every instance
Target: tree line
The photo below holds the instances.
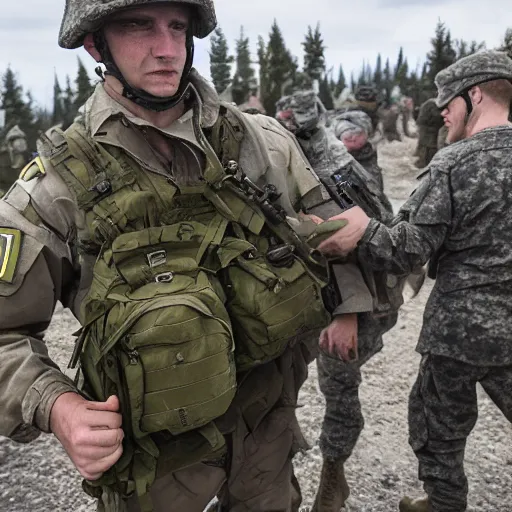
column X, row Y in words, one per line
column 278, row 68
column 278, row 72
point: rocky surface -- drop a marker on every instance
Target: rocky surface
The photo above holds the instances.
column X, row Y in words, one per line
column 39, row 477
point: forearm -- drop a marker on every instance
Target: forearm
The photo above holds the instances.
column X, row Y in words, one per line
column 30, row 382
column 402, row 248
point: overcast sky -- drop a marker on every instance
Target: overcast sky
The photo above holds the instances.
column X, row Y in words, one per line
column 352, row 31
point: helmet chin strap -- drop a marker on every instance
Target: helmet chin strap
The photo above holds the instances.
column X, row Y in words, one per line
column 139, row 96
column 469, row 106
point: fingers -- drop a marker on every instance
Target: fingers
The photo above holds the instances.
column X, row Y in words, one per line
column 106, row 420
column 112, row 405
column 93, row 469
column 105, row 438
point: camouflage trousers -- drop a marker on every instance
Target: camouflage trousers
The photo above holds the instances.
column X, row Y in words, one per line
column 442, row 412
column 262, row 434
column 339, row 382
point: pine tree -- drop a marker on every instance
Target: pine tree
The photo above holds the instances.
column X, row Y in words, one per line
column 314, row 58
column 84, row 89
column 399, row 62
column 324, row 93
column 58, row 112
column 243, row 81
column 263, row 71
column 377, row 75
column 387, row 82
column 220, row 61
column 506, row 46
column 68, row 105
column 442, row 54
column 17, row 110
column 341, row 83
column 281, row 67
column 401, row 78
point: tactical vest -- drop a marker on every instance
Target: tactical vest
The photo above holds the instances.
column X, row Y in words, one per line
column 184, row 295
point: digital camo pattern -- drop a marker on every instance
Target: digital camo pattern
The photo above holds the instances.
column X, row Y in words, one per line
column 459, row 218
column 84, row 16
column 469, row 71
column 429, row 123
column 339, row 382
column 389, row 118
column 442, row 412
column 298, row 112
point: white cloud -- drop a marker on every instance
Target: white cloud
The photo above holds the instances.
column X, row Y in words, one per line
column 352, row 31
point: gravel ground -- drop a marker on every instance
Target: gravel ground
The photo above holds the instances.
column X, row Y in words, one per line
column 39, row 477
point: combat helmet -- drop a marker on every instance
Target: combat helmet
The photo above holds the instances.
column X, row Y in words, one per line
column 15, row 133
column 82, row 17
column 366, row 93
column 299, row 112
column 460, row 77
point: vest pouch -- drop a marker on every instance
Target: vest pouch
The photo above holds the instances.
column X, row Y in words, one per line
column 270, row 308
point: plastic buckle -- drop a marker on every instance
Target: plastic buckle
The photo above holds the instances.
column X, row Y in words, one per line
column 157, row 258
column 165, row 277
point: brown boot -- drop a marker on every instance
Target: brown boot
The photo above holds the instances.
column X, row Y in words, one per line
column 333, row 489
column 416, row 505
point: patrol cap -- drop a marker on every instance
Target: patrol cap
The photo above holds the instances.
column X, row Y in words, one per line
column 84, row 16
column 472, row 70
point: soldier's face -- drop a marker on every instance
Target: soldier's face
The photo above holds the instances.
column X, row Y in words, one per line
column 454, row 115
column 148, row 45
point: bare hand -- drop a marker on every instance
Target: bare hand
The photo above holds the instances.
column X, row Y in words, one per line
column 313, row 218
column 346, row 239
column 89, row 431
column 339, row 339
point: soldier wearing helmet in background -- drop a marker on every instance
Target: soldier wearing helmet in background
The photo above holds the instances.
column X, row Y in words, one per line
column 429, row 123
column 339, row 379
column 367, row 98
column 459, row 219
column 13, row 157
column 167, row 221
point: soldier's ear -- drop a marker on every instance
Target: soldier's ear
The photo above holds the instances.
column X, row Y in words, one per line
column 475, row 94
column 90, row 47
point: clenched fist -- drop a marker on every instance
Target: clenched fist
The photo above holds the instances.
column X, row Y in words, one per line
column 89, row 431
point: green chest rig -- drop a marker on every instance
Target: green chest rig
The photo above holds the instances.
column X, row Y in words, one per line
column 190, row 286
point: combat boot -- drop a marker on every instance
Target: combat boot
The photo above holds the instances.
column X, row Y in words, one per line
column 333, row 489
column 414, row 505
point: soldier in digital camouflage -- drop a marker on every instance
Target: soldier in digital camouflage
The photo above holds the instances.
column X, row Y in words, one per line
column 459, row 219
column 429, row 123
column 168, row 222
column 340, row 379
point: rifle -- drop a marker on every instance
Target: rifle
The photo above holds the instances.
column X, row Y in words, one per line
column 347, row 193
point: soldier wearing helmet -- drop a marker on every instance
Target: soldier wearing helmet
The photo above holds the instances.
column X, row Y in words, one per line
column 13, row 157
column 458, row 218
column 167, row 221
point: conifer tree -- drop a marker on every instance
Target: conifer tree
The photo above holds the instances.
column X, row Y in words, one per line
column 220, row 61
column 441, row 55
column 506, row 45
column 68, row 105
column 341, row 83
column 387, row 82
column 84, row 88
column 244, row 80
column 324, row 93
column 314, row 59
column 58, row 112
column 281, row 68
column 377, row 75
column 17, row 110
column 263, row 71
column 399, row 63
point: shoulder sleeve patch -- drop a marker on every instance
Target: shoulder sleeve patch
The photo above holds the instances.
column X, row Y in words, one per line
column 10, row 243
column 32, row 170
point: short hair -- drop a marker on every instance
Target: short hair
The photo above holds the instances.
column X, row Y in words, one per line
column 500, row 91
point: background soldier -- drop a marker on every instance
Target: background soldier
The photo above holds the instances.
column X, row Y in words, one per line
column 429, row 123
column 459, row 219
column 339, row 378
column 147, row 229
column 13, row 157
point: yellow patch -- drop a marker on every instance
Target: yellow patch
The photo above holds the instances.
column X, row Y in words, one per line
column 10, row 244
column 32, row 170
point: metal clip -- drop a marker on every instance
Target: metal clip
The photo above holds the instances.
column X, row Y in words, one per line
column 165, row 277
column 157, row 258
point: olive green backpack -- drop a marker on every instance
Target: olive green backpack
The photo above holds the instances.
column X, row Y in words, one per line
column 180, row 274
